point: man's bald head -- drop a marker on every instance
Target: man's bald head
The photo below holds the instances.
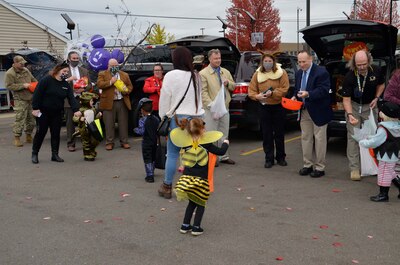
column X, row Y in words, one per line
column 360, row 62
column 112, row 62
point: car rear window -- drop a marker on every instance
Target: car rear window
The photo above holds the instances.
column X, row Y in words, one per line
column 150, row 54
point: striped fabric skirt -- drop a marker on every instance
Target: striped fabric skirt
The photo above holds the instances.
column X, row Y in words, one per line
column 192, row 188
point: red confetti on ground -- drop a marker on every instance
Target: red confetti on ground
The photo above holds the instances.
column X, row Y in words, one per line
column 315, row 237
column 87, row 221
column 336, row 190
column 323, row 226
column 279, row 258
column 336, row 235
column 288, row 209
column 337, row 244
column 124, row 194
column 355, row 261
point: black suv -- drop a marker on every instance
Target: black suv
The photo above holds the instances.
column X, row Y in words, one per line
column 140, row 62
column 244, row 111
column 329, row 40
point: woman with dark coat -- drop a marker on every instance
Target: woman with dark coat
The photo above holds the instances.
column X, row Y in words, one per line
column 48, row 105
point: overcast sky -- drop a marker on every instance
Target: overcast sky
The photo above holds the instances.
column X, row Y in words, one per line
column 106, row 25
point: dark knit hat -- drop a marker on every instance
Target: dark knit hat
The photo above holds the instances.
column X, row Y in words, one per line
column 390, row 109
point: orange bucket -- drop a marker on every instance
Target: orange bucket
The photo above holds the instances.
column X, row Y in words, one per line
column 32, row 86
column 289, row 104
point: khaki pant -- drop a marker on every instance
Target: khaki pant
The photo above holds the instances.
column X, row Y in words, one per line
column 23, row 117
column 313, row 142
column 222, row 125
column 119, row 112
column 353, row 149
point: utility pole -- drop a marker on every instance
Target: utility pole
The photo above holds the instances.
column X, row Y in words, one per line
column 236, row 27
column 308, row 20
column 202, row 30
column 355, row 9
column 298, row 11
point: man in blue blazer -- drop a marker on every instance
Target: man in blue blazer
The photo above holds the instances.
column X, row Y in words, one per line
column 312, row 87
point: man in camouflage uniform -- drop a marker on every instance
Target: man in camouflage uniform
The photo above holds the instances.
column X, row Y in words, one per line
column 18, row 79
column 89, row 113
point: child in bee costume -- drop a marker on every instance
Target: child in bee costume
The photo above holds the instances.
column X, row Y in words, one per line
column 386, row 144
column 194, row 185
column 89, row 114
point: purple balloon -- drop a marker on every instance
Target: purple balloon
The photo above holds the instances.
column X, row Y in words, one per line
column 97, row 41
column 98, row 59
column 118, row 55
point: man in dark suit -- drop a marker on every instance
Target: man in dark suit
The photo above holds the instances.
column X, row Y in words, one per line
column 75, row 73
column 115, row 103
column 312, row 87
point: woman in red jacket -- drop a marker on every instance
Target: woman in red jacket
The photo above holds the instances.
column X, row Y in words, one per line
column 152, row 86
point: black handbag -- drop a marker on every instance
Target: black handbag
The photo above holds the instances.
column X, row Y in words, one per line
column 161, row 155
column 163, row 127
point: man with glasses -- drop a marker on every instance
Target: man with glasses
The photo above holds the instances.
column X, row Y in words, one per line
column 362, row 87
column 17, row 80
column 152, row 86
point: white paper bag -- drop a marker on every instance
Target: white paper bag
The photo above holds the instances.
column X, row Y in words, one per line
column 368, row 165
column 217, row 106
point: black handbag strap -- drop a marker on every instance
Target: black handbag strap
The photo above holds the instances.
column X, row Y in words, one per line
column 187, row 89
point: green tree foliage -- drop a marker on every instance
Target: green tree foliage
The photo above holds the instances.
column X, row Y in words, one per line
column 267, row 20
column 158, row 35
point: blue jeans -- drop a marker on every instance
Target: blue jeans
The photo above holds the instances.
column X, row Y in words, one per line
column 173, row 152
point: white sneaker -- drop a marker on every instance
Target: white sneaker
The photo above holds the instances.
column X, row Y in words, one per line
column 355, row 175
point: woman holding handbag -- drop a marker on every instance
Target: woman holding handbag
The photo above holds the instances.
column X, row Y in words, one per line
column 180, row 98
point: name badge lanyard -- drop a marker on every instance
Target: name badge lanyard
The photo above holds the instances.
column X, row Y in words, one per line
column 361, row 89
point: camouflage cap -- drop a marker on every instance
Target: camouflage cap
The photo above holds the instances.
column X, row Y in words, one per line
column 87, row 96
column 19, row 59
column 198, row 59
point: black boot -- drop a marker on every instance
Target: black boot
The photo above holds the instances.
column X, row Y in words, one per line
column 396, row 182
column 56, row 158
column 383, row 195
column 149, row 172
column 35, row 158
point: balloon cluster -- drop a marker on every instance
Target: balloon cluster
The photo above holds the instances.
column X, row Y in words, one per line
column 95, row 54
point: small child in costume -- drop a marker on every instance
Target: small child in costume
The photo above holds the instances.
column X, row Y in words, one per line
column 193, row 184
column 89, row 114
column 386, row 144
column 148, row 125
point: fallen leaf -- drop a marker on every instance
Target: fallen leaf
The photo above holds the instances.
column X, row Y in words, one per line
column 238, row 189
column 279, row 258
column 336, row 190
column 252, row 209
column 28, row 198
column 336, row 235
column 288, row 208
column 323, row 226
column 99, row 221
column 47, row 218
column 370, row 237
column 355, row 261
column 170, row 201
column 163, row 209
column 337, row 244
column 124, row 194
column 87, row 221
column 315, row 237
column 249, row 198
column 116, row 176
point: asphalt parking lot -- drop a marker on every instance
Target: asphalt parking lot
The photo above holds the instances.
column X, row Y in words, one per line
column 103, row 212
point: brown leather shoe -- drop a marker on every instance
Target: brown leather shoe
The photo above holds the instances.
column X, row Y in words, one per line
column 109, row 147
column 228, row 161
column 125, row 146
column 71, row 148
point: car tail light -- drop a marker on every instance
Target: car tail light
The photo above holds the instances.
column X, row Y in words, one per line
column 241, row 88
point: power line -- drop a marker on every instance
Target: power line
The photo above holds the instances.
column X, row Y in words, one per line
column 47, row 8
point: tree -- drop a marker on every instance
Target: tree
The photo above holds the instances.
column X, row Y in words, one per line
column 159, row 36
column 377, row 10
column 266, row 20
